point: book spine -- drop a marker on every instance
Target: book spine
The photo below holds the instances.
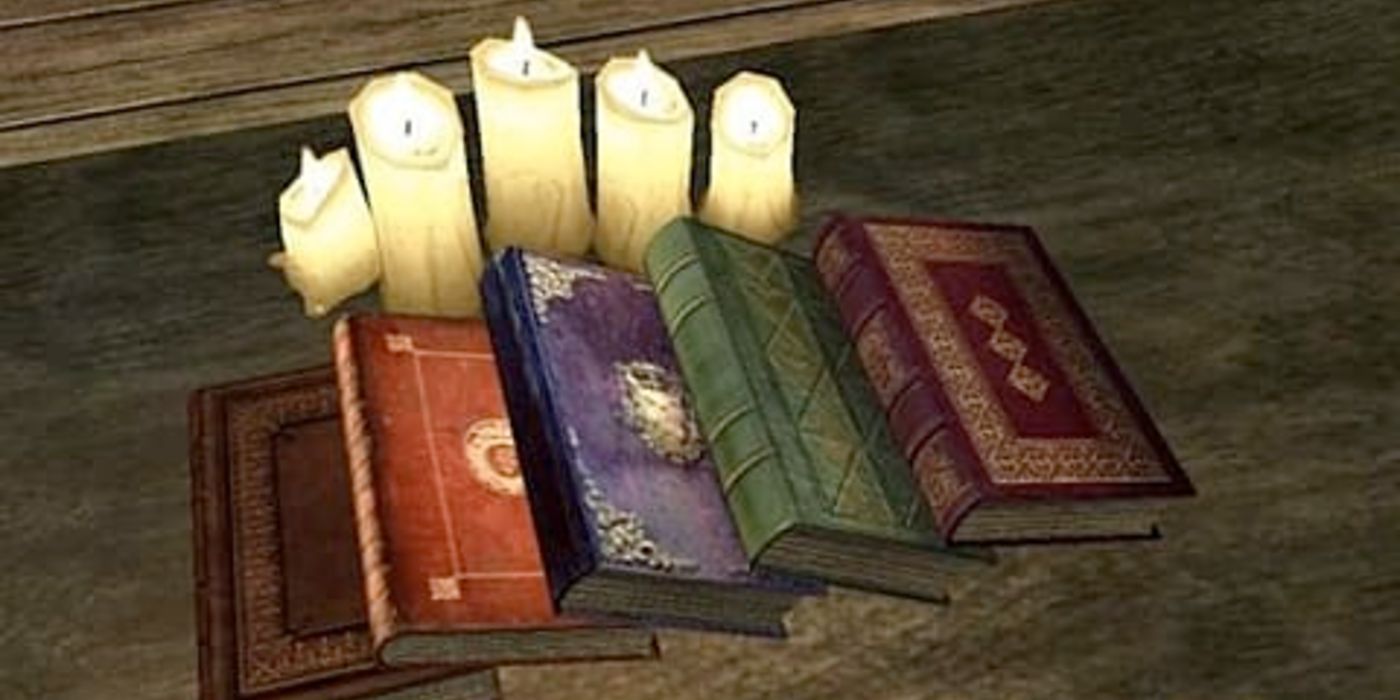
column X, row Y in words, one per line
column 359, row 448
column 205, row 451
column 555, row 505
column 727, row 405
column 904, row 382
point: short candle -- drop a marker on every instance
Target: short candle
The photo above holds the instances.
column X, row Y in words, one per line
column 328, row 239
column 751, row 189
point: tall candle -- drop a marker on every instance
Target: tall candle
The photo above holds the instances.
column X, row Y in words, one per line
column 644, row 125
column 751, row 189
column 409, row 139
column 328, row 240
column 527, row 111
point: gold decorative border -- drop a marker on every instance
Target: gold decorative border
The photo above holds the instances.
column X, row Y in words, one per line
column 940, row 478
column 833, row 261
column 551, row 281
column 886, row 371
column 1121, row 454
column 270, row 656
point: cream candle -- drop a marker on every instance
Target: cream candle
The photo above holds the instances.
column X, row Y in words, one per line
column 644, row 127
column 408, row 136
column 527, row 112
column 329, row 251
column 751, row 190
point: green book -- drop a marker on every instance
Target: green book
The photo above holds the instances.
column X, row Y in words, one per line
column 814, row 480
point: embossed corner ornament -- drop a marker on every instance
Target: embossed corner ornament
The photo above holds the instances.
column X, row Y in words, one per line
column 1010, row 348
column 654, row 406
column 398, row 342
column 445, row 588
column 491, row 457
column 551, row 280
column 624, row 538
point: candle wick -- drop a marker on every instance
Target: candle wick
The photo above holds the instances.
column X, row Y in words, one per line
column 753, row 126
column 525, row 68
column 408, row 127
column 644, row 97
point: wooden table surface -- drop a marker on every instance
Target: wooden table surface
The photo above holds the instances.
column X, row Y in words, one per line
column 1219, row 181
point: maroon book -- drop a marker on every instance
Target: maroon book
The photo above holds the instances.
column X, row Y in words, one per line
column 279, row 599
column 1017, row 421
column 452, row 565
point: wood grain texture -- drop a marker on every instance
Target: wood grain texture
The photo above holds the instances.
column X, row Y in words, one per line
column 186, row 52
column 16, row 13
column 1218, row 182
column 144, row 77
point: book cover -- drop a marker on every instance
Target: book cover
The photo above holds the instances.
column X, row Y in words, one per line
column 279, row 600
column 815, row 482
column 628, row 502
column 451, row 562
column 1017, row 421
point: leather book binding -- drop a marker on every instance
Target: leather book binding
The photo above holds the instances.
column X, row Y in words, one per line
column 1018, row 423
column 279, row 600
column 626, row 498
column 815, row 482
column 451, row 561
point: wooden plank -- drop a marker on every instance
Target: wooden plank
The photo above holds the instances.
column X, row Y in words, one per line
column 328, row 94
column 186, row 52
column 15, row 13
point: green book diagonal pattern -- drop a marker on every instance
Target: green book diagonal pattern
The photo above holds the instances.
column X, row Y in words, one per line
column 797, row 434
column 851, row 459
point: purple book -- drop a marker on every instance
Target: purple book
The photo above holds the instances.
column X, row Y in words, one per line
column 628, row 507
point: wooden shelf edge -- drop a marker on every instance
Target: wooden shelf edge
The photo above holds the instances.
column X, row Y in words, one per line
column 317, row 98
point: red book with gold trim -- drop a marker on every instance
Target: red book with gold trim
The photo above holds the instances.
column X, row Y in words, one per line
column 1017, row 421
column 452, row 567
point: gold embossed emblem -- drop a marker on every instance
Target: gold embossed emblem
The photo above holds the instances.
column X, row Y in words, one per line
column 655, row 407
column 491, row 457
column 1010, row 348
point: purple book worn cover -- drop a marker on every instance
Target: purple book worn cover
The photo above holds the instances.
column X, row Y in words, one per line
column 651, row 497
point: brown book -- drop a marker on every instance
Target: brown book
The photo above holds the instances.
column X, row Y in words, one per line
column 1017, row 421
column 451, row 561
column 279, row 597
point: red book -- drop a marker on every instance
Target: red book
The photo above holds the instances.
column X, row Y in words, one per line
column 279, row 599
column 1017, row 421
column 451, row 562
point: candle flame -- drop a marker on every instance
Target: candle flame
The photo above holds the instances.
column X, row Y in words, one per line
column 317, row 176
column 644, row 64
column 645, row 72
column 521, row 38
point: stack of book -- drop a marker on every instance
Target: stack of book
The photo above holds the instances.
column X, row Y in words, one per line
column 699, row 447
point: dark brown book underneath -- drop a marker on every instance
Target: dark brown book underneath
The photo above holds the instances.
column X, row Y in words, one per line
column 280, row 602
